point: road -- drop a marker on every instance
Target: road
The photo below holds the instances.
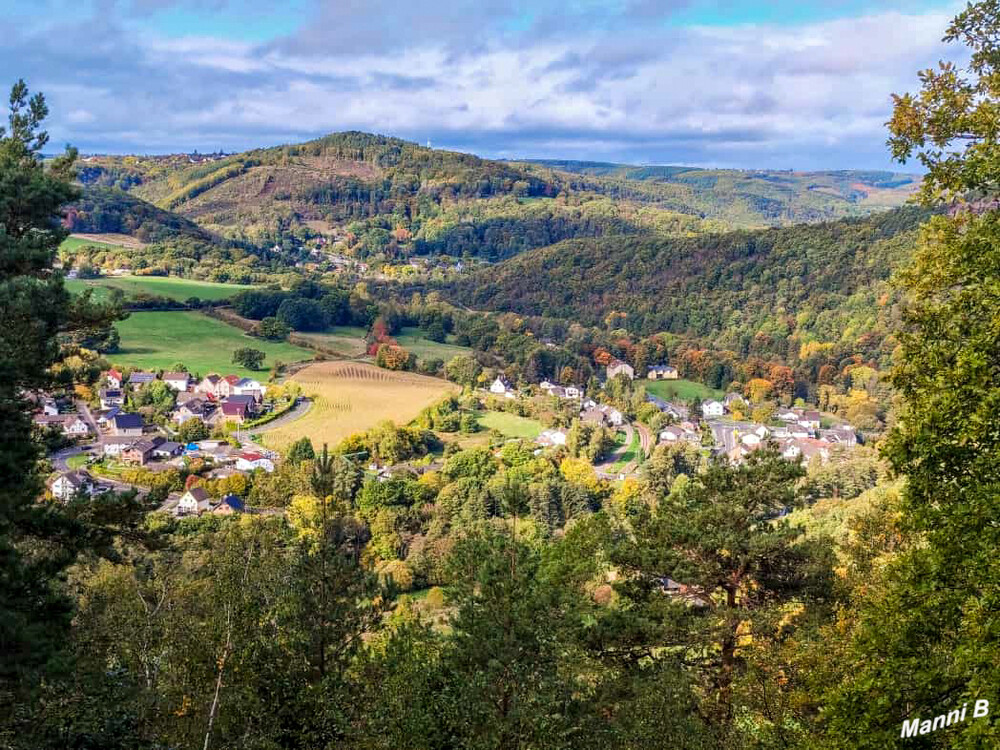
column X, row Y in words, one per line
column 302, row 407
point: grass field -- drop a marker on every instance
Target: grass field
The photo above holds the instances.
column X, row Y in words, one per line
column 682, row 390
column 350, row 397
column 161, row 286
column 74, row 243
column 413, row 340
column 510, row 425
column 631, row 453
column 157, row 340
column 77, row 461
column 348, row 341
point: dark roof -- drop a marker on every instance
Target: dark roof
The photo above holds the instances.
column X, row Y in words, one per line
column 128, row 421
column 235, row 407
column 198, row 494
column 141, row 377
column 233, row 502
column 240, row 399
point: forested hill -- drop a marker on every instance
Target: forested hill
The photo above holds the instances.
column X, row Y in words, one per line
column 819, row 282
column 383, row 196
column 751, row 198
column 102, row 210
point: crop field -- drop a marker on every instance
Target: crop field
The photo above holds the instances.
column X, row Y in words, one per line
column 158, row 340
column 350, row 397
column 160, row 286
column 510, row 425
column 77, row 241
column 680, row 390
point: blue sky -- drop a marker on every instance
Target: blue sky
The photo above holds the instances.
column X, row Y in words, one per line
column 778, row 84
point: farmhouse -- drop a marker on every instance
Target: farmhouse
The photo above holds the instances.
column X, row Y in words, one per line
column 69, row 484
column 129, row 425
column 617, row 367
column 662, row 372
column 179, row 381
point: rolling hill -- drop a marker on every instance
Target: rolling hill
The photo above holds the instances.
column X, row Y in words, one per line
column 824, row 282
column 382, row 196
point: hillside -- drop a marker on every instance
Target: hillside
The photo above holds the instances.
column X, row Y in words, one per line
column 109, row 210
column 820, row 282
column 751, row 198
column 382, row 196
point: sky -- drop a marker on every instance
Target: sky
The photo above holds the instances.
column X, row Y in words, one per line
column 784, row 84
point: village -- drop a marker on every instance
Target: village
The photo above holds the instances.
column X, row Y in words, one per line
column 205, row 422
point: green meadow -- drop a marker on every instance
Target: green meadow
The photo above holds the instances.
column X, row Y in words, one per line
column 680, row 390
column 161, row 286
column 510, row 425
column 414, row 340
column 158, row 340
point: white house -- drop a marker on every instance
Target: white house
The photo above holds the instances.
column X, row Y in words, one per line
column 712, row 408
column 249, row 387
column 114, row 447
column 179, row 381
column 251, row 461
column 68, row 484
column 573, row 392
column 500, row 386
column 195, row 500
column 551, row 437
column 615, row 417
column 113, row 378
column 76, row 427
column 50, row 408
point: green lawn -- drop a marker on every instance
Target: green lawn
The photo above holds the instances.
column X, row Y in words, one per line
column 161, row 286
column 414, row 340
column 157, row 340
column 77, row 461
column 631, row 453
column 510, row 425
column 680, row 390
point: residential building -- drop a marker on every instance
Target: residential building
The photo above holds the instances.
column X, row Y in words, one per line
column 614, row 417
column 113, row 378
column 141, row 451
column 662, row 372
column 593, row 416
column 501, row 385
column 76, row 427
column 249, row 461
column 110, row 397
column 229, row 505
column 249, row 387
column 167, row 449
column 139, row 379
column 209, row 385
column 69, row 484
column 195, row 408
column 712, row 408
column 179, row 381
column 194, row 501
column 617, row 367
column 226, row 386
column 549, row 438
column 114, row 446
column 50, row 408
column 810, row 419
column 127, row 425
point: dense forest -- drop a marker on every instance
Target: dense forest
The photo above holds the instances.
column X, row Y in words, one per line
column 791, row 285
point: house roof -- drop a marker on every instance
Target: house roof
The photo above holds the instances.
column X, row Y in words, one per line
column 197, row 494
column 141, row 377
column 233, row 502
column 234, row 407
column 77, row 478
column 127, row 421
column 110, row 393
column 169, row 446
column 251, row 456
column 213, row 378
column 176, row 376
column 232, row 379
column 113, row 373
column 241, row 398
